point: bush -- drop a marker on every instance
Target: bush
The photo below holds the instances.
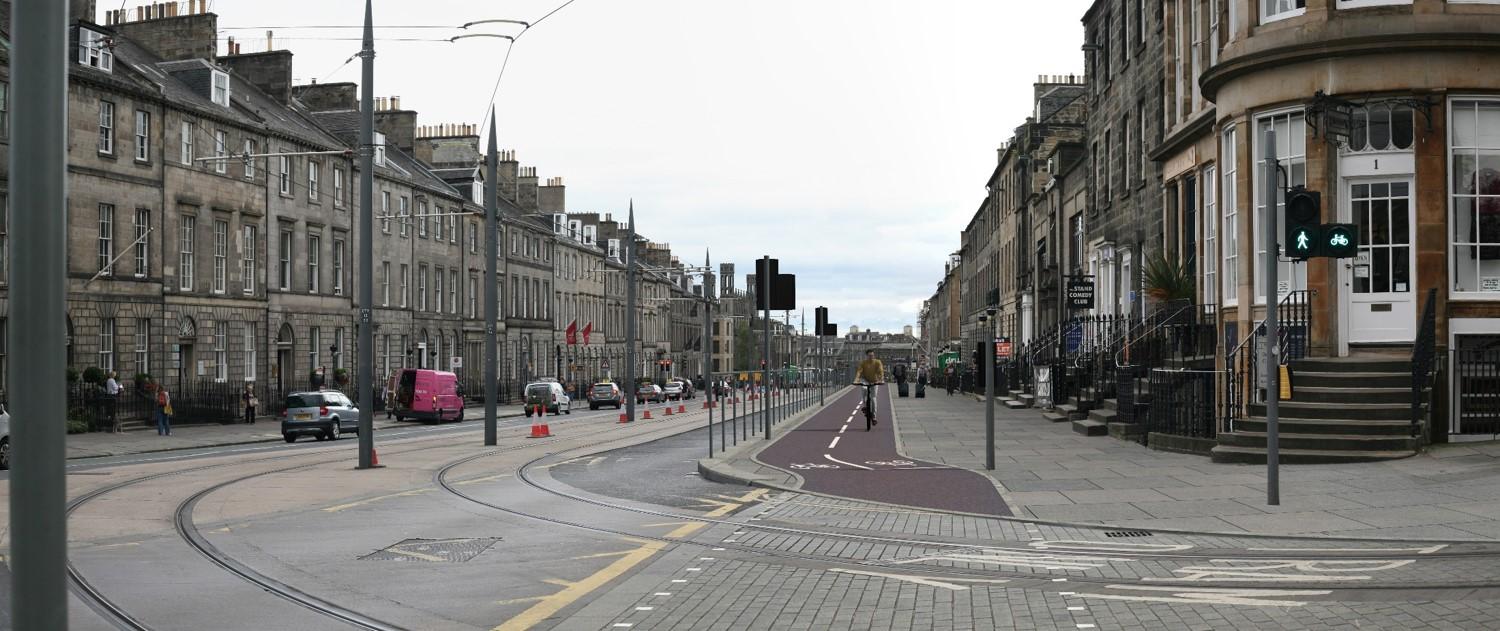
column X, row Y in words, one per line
column 80, row 420
column 72, row 375
column 94, row 375
column 142, row 379
column 77, row 426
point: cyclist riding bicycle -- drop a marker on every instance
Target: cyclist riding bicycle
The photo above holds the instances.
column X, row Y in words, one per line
column 871, row 373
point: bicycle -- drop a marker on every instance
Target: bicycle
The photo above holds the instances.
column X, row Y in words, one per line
column 868, row 406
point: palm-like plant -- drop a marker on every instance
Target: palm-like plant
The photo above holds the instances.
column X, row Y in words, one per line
column 1168, row 279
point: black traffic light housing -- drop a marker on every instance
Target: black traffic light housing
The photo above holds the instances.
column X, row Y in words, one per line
column 820, row 320
column 1339, row 240
column 1304, row 212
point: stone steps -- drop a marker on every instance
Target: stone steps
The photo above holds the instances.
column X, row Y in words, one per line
column 1251, row 455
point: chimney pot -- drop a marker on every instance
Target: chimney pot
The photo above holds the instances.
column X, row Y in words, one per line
column 395, row 102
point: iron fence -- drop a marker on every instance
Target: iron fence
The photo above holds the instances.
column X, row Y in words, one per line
column 1240, row 381
column 1423, row 353
column 1477, row 381
column 1183, row 403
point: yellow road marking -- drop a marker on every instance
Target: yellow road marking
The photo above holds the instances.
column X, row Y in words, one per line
column 340, row 507
column 483, row 479
column 685, row 530
column 746, row 498
column 550, row 605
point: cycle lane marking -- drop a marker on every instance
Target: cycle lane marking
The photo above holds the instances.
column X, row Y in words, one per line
column 856, row 466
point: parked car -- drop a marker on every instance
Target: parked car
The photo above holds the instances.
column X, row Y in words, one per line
column 4, row 438
column 326, row 414
column 688, row 389
column 550, row 396
column 649, row 393
column 428, row 395
column 672, row 391
column 602, row 394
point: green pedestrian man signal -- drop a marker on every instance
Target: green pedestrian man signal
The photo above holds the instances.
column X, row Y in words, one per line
column 1304, row 242
column 1304, row 209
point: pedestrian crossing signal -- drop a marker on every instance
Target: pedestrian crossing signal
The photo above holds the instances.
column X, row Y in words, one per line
column 1304, row 210
column 1340, row 240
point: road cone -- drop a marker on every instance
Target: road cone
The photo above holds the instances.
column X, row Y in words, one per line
column 374, row 457
column 646, row 415
column 540, row 430
column 681, row 409
column 667, row 412
column 623, row 419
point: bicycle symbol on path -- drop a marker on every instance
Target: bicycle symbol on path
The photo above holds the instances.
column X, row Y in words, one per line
column 890, row 463
column 814, row 465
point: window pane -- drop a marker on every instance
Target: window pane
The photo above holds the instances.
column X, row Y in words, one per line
column 1400, row 221
column 1401, row 127
column 1358, row 133
column 1464, row 134
column 1380, row 270
column 1380, row 128
column 1489, row 125
column 1463, row 172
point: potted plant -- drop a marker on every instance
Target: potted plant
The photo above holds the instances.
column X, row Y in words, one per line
column 341, row 376
column 1169, row 283
column 144, row 382
column 72, row 375
column 93, row 375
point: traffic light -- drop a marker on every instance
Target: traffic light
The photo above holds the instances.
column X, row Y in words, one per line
column 1340, row 240
column 1304, row 210
column 820, row 320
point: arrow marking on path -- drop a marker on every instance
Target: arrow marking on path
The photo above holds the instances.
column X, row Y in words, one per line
column 946, row 582
column 856, row 466
column 1211, row 595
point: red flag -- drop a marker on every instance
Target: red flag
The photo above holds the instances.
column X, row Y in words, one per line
column 572, row 333
column 587, row 329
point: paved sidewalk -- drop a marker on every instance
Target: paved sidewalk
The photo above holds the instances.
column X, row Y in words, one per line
column 1051, row 473
column 267, row 429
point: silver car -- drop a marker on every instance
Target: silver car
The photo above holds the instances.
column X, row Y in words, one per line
column 326, row 414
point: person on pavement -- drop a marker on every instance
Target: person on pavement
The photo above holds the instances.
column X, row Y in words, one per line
column 111, row 402
column 163, row 411
column 250, row 402
column 950, row 380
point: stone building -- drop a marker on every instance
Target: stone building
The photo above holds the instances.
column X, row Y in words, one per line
column 1123, row 44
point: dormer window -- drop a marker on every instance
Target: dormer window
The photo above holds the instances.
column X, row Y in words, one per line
column 221, row 88
column 379, row 149
column 94, row 50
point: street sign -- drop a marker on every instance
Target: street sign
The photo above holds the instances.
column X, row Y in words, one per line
column 1043, row 386
column 364, row 316
column 1074, row 338
column 1002, row 348
column 1080, row 292
column 456, row 362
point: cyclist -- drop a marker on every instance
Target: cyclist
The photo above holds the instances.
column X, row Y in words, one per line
column 871, row 373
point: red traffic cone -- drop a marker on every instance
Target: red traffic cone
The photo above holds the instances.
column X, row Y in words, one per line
column 667, row 412
column 623, row 419
column 646, row 415
column 540, row 430
column 374, row 457
column 681, row 409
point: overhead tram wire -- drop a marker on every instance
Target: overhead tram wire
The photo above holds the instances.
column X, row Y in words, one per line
column 511, row 46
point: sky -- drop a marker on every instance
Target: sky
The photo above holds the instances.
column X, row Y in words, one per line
column 850, row 139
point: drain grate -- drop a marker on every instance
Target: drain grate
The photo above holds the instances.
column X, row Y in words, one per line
column 1126, row 533
column 433, row 550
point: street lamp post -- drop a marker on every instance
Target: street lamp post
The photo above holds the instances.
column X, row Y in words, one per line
column 492, row 299
column 630, row 332
column 989, row 389
column 366, row 243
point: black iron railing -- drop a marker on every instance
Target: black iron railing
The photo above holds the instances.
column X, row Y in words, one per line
column 1476, row 373
column 1423, row 353
column 1238, row 380
column 1182, row 403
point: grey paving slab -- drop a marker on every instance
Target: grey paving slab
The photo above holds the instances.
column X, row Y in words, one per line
column 1093, row 512
column 1294, row 523
column 1397, row 516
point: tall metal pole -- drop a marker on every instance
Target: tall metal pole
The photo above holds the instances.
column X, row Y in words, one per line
column 366, row 243
column 630, row 317
column 765, row 369
column 39, row 162
column 989, row 394
column 706, row 346
column 491, row 282
column 1273, row 362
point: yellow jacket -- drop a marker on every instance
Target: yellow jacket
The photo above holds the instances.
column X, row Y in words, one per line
column 871, row 371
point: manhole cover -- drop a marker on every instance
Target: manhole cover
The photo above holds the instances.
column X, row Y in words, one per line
column 1126, row 533
column 433, row 550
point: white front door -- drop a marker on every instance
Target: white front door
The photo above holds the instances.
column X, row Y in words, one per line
column 1380, row 292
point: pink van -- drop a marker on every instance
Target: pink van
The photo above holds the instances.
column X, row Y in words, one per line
column 428, row 395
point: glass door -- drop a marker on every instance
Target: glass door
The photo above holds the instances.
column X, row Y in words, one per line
column 1381, row 295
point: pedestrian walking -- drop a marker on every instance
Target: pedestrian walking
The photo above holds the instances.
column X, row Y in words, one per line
column 251, row 403
column 111, row 402
column 922, row 381
column 950, row 379
column 163, row 411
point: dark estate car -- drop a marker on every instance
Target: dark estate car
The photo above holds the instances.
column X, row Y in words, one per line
column 602, row 394
column 326, row 415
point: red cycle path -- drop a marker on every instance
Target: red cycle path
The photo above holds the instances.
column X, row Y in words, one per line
column 865, row 465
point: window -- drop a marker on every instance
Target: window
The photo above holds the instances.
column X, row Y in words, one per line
column 249, row 346
column 422, row 287
column 1273, row 10
column 189, row 229
column 1213, row 33
column 284, row 258
column 221, row 351
column 1109, row 166
column 106, row 240
column 338, row 187
column 437, row 224
column 312, row 181
column 107, row 344
column 453, row 291
column 185, row 151
column 422, row 216
column 473, row 238
column 1229, row 193
column 314, row 348
column 405, row 279
column 338, row 267
column 285, row 176
column 221, row 88
column 142, row 242
column 250, row 150
column 1196, row 52
column 95, row 50
column 4, row 110
column 221, row 255
column 385, row 212
column 314, row 260
column 106, row 127
column 379, row 142
column 453, row 228
column 221, row 151
column 1475, row 196
column 1291, row 150
column 142, row 135
column 385, row 283
column 143, row 344
column 473, row 295
column 1210, row 257
column 437, row 290
column 248, row 247
column 1129, row 155
column 1381, row 127
column 404, row 216
column 1141, row 156
column 1098, row 176
column 338, row 345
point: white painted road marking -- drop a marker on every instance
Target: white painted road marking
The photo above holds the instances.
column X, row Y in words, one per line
column 830, row 457
column 944, row 582
column 845, row 427
column 1427, row 550
column 1211, row 595
column 1252, row 570
column 835, row 442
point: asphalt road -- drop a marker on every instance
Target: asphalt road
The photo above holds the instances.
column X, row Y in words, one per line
column 664, row 472
column 834, row 454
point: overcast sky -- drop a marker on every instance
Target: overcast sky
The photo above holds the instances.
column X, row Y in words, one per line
column 851, row 139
